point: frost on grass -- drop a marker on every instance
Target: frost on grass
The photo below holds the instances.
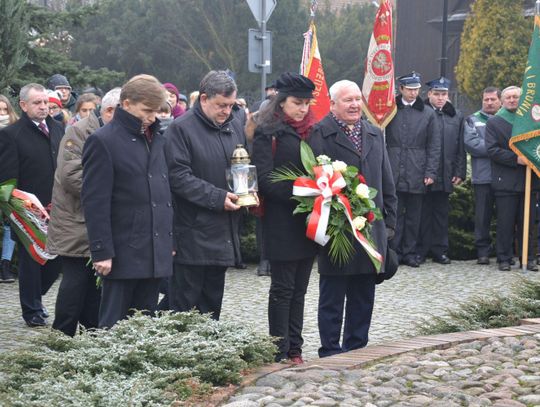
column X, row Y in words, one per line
column 142, row 361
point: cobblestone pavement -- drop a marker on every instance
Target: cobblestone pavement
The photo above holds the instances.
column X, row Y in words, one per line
column 498, row 372
column 400, row 303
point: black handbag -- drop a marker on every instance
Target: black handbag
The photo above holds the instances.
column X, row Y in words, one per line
column 391, row 265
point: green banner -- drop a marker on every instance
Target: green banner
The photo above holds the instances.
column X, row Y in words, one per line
column 525, row 140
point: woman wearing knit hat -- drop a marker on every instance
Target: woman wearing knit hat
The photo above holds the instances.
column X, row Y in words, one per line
column 173, row 98
column 56, row 109
column 282, row 124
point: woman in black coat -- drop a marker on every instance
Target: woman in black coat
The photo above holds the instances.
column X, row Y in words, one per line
column 283, row 124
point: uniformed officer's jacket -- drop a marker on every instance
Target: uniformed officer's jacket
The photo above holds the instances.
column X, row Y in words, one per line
column 66, row 234
column 453, row 161
column 413, row 140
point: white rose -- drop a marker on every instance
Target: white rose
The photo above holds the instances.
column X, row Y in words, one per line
column 362, row 190
column 323, row 159
column 359, row 222
column 339, row 166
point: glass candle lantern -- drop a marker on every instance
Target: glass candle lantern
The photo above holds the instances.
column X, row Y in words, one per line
column 242, row 177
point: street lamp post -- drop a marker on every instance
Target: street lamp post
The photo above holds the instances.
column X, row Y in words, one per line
column 444, row 57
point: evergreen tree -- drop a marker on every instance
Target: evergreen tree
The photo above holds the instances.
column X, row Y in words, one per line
column 34, row 44
column 13, row 36
column 494, row 46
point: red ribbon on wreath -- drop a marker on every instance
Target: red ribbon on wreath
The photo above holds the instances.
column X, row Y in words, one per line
column 327, row 184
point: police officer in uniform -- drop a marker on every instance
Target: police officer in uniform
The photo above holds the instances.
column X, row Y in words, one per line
column 413, row 140
column 452, row 171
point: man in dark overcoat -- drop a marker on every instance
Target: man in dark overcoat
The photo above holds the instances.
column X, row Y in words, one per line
column 413, row 140
column 78, row 295
column 127, row 202
column 199, row 148
column 508, row 183
column 433, row 236
column 28, row 151
column 344, row 136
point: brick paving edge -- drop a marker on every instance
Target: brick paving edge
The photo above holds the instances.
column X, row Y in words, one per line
column 368, row 355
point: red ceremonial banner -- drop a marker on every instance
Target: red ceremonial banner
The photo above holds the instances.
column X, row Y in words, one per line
column 312, row 68
column 378, row 90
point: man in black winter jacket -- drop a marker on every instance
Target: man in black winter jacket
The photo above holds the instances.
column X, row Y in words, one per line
column 28, row 151
column 198, row 152
column 433, row 236
column 413, row 140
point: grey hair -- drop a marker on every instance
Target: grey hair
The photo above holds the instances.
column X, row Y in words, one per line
column 25, row 90
column 217, row 83
column 508, row 89
column 111, row 99
column 339, row 86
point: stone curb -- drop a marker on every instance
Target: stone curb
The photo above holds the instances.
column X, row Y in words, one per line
column 361, row 357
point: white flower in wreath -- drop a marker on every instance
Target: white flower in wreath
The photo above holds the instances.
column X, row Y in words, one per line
column 323, row 159
column 362, row 190
column 359, row 222
column 339, row 166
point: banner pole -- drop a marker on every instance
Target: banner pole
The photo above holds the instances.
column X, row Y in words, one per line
column 526, row 217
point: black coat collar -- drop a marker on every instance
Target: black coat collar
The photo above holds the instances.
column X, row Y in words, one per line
column 447, row 109
column 52, row 124
column 418, row 104
column 197, row 110
column 131, row 123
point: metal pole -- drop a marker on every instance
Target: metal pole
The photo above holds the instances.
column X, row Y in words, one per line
column 444, row 57
column 263, row 56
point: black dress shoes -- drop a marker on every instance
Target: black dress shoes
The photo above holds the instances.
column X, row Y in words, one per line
column 35, row 321
column 442, row 259
column 483, row 261
column 420, row 259
column 410, row 262
column 531, row 265
column 264, row 268
column 504, row 266
column 44, row 312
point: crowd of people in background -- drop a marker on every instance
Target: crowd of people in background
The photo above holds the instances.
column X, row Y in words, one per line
column 135, row 182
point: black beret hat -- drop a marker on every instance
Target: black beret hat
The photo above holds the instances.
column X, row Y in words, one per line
column 294, row 84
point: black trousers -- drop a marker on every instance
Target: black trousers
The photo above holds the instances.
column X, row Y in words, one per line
column 34, row 282
column 484, row 202
column 199, row 287
column 409, row 212
column 358, row 292
column 509, row 222
column 78, row 297
column 118, row 297
column 289, row 282
column 164, row 289
column 433, row 236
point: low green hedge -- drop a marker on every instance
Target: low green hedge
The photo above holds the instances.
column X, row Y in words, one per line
column 492, row 311
column 142, row 361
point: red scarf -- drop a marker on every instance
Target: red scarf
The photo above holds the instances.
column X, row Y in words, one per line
column 303, row 126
